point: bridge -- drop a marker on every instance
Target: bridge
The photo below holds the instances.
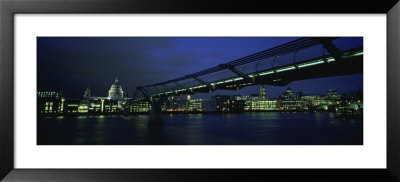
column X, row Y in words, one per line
column 304, row 58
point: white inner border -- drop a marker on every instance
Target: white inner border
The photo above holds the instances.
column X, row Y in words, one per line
column 370, row 155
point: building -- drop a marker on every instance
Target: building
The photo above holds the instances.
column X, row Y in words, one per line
column 261, row 105
column 222, row 102
column 110, row 104
column 241, row 97
column 115, row 92
column 287, row 95
column 208, row 106
column 176, row 104
column 291, row 105
column 87, row 95
column 330, row 102
column 290, row 102
column 53, row 103
column 50, row 102
column 237, row 105
column 71, row 105
column 333, row 95
column 140, row 107
column 52, row 94
column 263, row 92
column 195, row 105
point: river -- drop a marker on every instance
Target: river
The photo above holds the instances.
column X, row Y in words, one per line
column 254, row 128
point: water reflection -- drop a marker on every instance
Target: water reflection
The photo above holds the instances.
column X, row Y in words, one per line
column 331, row 115
column 264, row 128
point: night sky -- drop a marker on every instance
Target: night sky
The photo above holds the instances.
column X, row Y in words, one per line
column 71, row 64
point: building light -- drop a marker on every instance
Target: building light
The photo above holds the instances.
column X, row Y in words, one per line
column 83, row 109
column 47, row 107
column 102, row 105
column 62, row 104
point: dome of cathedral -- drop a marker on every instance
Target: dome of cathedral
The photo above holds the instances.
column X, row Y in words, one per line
column 115, row 85
column 115, row 91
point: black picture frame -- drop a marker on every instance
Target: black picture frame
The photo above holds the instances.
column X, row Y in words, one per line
column 8, row 8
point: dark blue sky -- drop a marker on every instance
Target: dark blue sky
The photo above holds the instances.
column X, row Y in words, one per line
column 71, row 64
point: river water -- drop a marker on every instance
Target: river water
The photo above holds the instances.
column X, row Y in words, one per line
column 256, row 128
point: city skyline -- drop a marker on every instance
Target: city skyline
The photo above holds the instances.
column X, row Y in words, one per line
column 69, row 64
column 207, row 96
column 200, row 91
column 53, row 103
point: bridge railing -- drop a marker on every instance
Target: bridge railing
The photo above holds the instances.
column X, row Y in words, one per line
column 282, row 60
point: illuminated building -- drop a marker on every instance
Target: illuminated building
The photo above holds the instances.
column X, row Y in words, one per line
column 333, row 95
column 87, row 93
column 115, row 92
column 71, row 105
column 288, row 95
column 289, row 101
column 240, row 97
column 49, row 102
column 263, row 92
column 194, row 105
column 222, row 102
column 323, row 103
column 83, row 106
column 53, row 103
column 237, row 105
column 96, row 106
column 111, row 106
column 176, row 104
column 261, row 105
column 260, row 102
column 291, row 105
column 41, row 94
column 142, row 106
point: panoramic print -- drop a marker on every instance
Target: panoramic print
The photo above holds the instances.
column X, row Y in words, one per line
column 199, row 91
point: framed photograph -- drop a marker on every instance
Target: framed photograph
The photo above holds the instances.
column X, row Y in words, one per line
column 202, row 91
column 260, row 100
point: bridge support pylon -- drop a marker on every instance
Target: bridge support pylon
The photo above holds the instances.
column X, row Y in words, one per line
column 156, row 115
